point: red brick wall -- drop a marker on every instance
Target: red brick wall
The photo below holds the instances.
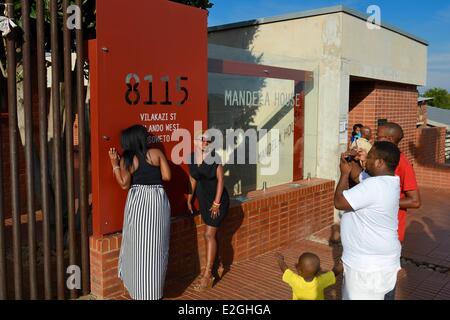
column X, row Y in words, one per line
column 104, row 259
column 280, row 216
column 436, row 177
column 430, row 146
column 370, row 101
column 362, row 106
column 430, row 167
column 398, row 103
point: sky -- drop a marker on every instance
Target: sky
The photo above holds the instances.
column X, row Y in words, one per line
column 426, row 19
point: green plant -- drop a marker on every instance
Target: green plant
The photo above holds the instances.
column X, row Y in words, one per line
column 204, row 4
column 441, row 98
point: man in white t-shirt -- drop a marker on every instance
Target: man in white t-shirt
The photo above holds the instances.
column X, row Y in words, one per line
column 371, row 249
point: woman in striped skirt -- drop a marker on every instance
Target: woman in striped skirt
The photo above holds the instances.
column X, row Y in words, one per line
column 146, row 227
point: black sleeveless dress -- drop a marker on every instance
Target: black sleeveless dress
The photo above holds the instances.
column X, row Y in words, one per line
column 206, row 176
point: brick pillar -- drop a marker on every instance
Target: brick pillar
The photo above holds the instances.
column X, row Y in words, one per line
column 104, row 253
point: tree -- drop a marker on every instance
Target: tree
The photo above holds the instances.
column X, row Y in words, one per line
column 204, row 4
column 441, row 98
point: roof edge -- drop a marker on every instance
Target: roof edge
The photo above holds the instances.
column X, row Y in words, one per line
column 313, row 13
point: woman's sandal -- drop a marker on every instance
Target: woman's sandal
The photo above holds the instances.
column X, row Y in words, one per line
column 197, row 280
column 220, row 272
column 200, row 288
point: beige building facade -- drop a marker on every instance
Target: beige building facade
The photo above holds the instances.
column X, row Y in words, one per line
column 338, row 46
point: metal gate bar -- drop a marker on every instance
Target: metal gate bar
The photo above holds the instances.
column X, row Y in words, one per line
column 84, row 200
column 29, row 149
column 2, row 228
column 57, row 156
column 43, row 127
column 69, row 142
column 14, row 156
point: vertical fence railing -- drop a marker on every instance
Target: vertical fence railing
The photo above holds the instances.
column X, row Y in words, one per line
column 3, row 290
column 14, row 157
column 43, row 128
column 27, row 98
column 69, row 141
column 52, row 188
column 83, row 159
column 57, row 152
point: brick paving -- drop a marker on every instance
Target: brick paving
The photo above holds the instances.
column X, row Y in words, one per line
column 428, row 229
column 259, row 278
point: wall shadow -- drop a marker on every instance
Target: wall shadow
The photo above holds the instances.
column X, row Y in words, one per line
column 184, row 258
column 226, row 251
column 429, row 148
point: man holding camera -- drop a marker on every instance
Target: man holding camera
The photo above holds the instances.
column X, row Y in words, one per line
column 409, row 193
column 371, row 249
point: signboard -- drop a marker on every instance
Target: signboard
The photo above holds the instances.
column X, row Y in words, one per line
column 148, row 66
column 259, row 97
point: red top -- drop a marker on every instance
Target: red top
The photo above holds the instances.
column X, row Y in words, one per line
column 407, row 183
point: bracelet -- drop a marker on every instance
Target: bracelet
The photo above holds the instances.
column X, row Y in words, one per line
column 116, row 167
column 216, row 204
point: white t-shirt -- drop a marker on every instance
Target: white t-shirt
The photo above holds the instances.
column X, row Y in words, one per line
column 369, row 233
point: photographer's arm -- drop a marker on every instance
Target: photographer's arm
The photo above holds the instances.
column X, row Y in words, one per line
column 356, row 171
column 340, row 202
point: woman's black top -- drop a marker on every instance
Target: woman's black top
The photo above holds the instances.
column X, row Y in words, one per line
column 206, row 176
column 146, row 174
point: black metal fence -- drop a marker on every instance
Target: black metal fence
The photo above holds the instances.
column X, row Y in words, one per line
column 56, row 175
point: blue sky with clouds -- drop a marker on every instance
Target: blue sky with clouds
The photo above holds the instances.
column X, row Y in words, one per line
column 428, row 19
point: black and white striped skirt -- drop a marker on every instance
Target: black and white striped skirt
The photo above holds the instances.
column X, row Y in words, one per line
column 144, row 251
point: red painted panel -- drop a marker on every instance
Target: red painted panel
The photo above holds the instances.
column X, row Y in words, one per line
column 157, row 38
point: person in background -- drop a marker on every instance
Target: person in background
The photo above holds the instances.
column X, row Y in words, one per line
column 308, row 282
column 207, row 181
column 144, row 250
column 364, row 141
column 371, row 249
column 356, row 134
column 410, row 195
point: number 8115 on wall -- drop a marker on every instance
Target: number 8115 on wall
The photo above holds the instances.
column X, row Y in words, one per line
column 133, row 94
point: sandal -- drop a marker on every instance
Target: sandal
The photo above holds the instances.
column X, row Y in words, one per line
column 200, row 288
column 220, row 272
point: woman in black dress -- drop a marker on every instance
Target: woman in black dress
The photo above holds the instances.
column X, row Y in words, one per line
column 207, row 180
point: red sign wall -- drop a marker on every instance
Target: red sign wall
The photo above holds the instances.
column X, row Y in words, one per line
column 148, row 66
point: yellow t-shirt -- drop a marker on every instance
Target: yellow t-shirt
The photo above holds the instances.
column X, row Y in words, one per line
column 302, row 290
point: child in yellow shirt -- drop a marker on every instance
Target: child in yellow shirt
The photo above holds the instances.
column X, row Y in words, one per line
column 308, row 283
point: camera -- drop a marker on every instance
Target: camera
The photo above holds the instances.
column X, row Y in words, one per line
column 349, row 158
